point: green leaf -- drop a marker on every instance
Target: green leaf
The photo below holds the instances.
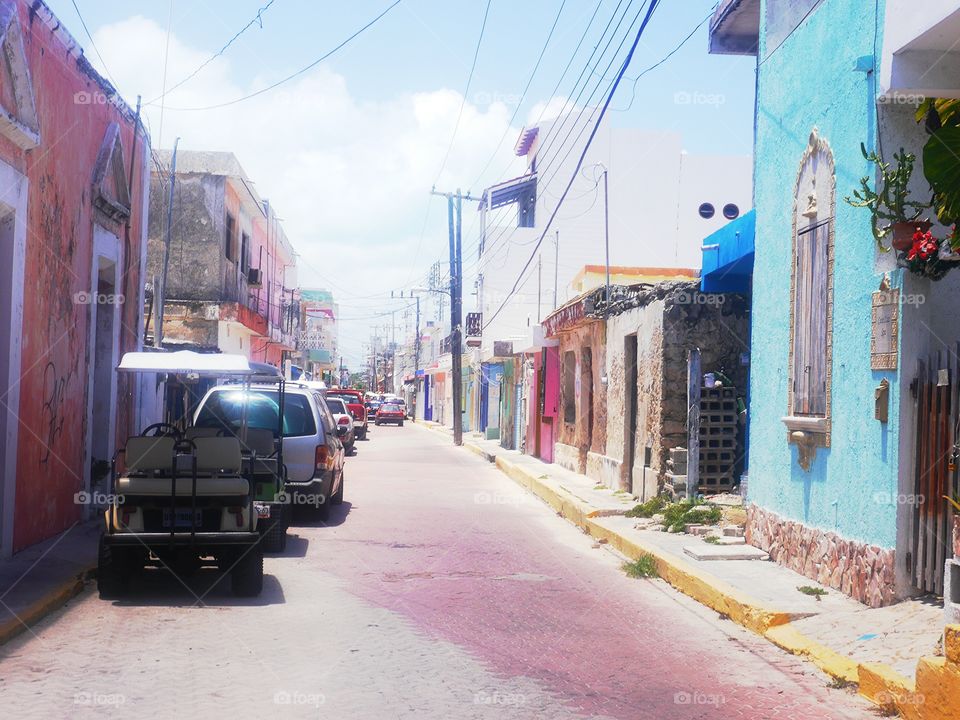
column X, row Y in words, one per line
column 941, row 166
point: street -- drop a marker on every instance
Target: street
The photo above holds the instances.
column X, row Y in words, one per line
column 439, row 590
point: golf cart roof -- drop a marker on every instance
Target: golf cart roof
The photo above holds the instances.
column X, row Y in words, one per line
column 189, row 362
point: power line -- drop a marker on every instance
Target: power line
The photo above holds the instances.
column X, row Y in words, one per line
column 218, row 53
column 293, row 75
column 94, row 45
column 466, row 91
column 524, row 93
column 616, row 83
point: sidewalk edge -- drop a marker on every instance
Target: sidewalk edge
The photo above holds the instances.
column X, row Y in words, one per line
column 46, row 604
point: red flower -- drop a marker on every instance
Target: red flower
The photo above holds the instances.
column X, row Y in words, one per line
column 924, row 246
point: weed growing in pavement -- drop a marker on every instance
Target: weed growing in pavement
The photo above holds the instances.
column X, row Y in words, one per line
column 813, row 591
column 839, row 683
column 712, row 540
column 644, row 566
column 649, row 508
column 690, row 512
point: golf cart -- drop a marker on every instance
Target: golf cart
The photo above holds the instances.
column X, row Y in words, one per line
column 188, row 494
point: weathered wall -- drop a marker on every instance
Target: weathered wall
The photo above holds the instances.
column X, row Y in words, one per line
column 795, row 96
column 56, row 352
column 197, row 261
column 585, row 434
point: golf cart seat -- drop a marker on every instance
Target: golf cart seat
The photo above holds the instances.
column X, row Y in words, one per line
column 192, row 433
column 218, row 468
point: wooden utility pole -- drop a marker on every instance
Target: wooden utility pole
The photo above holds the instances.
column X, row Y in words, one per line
column 158, row 329
column 454, row 218
column 694, row 383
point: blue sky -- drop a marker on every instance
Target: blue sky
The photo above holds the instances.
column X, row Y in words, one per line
column 372, row 123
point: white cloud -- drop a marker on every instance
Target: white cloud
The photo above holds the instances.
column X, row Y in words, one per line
column 350, row 179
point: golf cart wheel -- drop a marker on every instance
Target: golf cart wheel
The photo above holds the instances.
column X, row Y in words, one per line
column 337, row 498
column 246, row 577
column 110, row 579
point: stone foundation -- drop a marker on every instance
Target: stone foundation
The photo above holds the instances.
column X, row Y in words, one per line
column 569, row 457
column 864, row 572
column 605, row 470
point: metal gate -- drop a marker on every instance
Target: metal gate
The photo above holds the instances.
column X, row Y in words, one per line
column 935, row 390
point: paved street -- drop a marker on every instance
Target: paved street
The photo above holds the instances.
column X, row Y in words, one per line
column 439, row 590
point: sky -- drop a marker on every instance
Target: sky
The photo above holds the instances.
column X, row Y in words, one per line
column 349, row 150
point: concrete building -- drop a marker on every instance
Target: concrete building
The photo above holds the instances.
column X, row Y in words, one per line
column 318, row 339
column 73, row 183
column 662, row 202
column 231, row 283
column 847, row 471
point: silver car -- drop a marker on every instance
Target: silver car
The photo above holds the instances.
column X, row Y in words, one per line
column 312, row 448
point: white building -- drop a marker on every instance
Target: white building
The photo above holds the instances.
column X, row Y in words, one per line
column 662, row 203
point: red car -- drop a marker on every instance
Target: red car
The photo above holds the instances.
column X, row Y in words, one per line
column 389, row 413
column 354, row 402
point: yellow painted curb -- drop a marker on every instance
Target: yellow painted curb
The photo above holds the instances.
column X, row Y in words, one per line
column 877, row 682
column 42, row 607
column 830, row 661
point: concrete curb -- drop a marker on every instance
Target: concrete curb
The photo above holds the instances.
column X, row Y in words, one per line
column 45, row 604
column 879, row 683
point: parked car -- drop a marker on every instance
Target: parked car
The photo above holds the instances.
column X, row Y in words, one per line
column 343, row 418
column 313, row 451
column 372, row 406
column 356, row 406
column 389, row 413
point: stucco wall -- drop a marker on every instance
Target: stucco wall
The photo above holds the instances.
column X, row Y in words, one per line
column 57, row 355
column 797, row 94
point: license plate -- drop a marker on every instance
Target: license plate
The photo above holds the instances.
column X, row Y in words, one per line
column 183, row 517
column 263, row 511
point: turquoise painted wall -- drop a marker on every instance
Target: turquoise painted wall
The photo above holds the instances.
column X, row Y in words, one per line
column 810, row 81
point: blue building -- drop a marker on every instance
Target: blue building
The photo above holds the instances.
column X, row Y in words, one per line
column 853, row 389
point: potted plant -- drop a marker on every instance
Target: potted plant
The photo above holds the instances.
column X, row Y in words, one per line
column 894, row 213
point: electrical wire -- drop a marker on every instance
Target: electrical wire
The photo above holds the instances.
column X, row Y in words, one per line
column 295, row 74
column 256, row 18
column 94, row 45
column 523, row 95
column 613, row 89
column 466, row 91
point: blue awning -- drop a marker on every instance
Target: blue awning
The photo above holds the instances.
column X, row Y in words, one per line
column 728, row 256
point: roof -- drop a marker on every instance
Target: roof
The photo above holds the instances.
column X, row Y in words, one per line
column 187, row 361
column 728, row 256
column 527, row 136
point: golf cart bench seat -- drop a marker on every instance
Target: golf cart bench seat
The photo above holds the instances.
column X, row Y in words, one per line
column 257, row 440
column 161, row 486
column 150, row 467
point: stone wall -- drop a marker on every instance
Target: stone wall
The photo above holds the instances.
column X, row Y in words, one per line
column 588, row 432
column 864, row 572
column 569, row 457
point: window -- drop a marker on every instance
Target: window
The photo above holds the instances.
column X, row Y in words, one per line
column 336, row 406
column 706, row 211
column 244, row 252
column 810, row 321
column 224, row 409
column 229, row 232
column 731, row 211
column 569, row 387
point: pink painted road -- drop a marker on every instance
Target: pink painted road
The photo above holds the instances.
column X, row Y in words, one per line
column 439, row 590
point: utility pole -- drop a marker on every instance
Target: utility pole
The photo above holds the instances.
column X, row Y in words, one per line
column 606, row 236
column 556, row 266
column 539, row 284
column 454, row 217
column 158, row 330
